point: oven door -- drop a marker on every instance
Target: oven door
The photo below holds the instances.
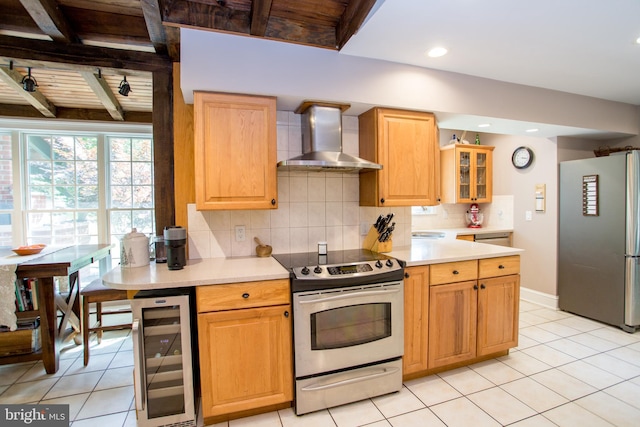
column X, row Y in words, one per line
column 347, row 327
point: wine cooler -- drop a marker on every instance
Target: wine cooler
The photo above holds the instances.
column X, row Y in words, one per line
column 163, row 373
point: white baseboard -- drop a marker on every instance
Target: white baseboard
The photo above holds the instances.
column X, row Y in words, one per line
column 540, row 298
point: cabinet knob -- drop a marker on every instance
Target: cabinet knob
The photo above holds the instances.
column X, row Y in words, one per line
column 482, row 286
column 286, row 314
column 382, row 200
column 501, row 267
column 456, row 272
column 245, row 295
column 273, row 202
column 406, row 275
column 475, row 287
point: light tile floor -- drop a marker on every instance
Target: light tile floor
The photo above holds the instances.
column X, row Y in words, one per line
column 567, row 371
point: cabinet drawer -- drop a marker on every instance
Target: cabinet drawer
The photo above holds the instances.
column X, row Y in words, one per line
column 242, row 295
column 451, row 272
column 501, row 266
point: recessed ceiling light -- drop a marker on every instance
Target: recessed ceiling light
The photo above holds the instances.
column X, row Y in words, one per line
column 484, row 125
column 436, row 52
column 531, row 130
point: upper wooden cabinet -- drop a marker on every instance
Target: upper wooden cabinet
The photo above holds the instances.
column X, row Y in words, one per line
column 235, row 151
column 405, row 143
column 467, row 173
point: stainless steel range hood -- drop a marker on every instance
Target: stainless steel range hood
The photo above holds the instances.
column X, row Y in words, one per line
column 322, row 142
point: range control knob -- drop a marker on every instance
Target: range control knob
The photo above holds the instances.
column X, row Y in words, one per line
column 304, row 271
column 378, row 264
column 389, row 263
column 317, row 270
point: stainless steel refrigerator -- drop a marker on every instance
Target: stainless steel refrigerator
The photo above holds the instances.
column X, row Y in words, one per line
column 599, row 239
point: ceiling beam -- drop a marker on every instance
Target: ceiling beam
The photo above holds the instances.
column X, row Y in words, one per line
column 93, row 56
column 49, row 18
column 13, row 79
column 259, row 15
column 26, row 111
column 102, row 90
column 153, row 19
column 354, row 15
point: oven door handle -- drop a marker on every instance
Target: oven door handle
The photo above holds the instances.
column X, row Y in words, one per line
column 354, row 294
column 365, row 377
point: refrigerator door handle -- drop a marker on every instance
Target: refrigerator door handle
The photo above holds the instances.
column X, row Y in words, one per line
column 632, row 293
column 138, row 350
column 633, row 204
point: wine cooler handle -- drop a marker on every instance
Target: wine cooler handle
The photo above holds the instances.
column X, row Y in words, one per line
column 139, row 362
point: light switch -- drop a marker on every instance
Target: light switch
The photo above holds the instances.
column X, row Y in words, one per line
column 528, row 216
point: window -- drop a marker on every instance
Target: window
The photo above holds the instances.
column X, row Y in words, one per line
column 78, row 186
column 6, row 189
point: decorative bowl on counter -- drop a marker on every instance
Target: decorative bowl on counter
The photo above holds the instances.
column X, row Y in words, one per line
column 29, row 250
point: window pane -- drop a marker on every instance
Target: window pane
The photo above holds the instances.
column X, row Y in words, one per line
column 40, row 197
column 120, row 197
column 120, row 149
column 64, row 197
column 142, row 174
column 87, row 148
column 38, row 148
column 40, row 173
column 63, row 148
column 88, row 197
column 120, row 222
column 86, row 173
column 6, row 174
column 141, row 150
column 120, row 173
column 143, row 197
column 39, row 227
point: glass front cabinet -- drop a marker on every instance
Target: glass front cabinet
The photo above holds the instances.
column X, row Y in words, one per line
column 467, row 173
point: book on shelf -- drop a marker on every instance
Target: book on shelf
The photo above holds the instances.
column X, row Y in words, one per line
column 26, row 295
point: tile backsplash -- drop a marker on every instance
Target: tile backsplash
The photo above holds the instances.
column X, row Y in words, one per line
column 498, row 213
column 312, row 207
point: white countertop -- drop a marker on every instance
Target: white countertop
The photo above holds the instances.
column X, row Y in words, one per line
column 210, row 271
column 452, row 233
column 435, row 251
column 214, row 271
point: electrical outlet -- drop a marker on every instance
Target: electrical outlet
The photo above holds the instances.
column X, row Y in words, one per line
column 240, row 233
column 528, row 216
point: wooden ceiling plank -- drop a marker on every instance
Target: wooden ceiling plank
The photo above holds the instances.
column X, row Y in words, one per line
column 206, row 16
column 14, row 80
column 259, row 15
column 354, row 15
column 102, row 90
column 98, row 57
column 153, row 19
column 49, row 18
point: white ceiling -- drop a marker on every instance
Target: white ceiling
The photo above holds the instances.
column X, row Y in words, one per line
column 585, row 47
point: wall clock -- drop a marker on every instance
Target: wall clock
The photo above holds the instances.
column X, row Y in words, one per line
column 522, row 157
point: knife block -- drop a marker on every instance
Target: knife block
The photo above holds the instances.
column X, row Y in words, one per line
column 372, row 244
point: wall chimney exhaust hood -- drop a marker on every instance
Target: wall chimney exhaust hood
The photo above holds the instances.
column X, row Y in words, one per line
column 322, row 142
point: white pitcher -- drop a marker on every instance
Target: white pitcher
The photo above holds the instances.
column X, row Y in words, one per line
column 134, row 249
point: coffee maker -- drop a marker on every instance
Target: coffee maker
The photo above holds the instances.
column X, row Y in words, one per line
column 175, row 241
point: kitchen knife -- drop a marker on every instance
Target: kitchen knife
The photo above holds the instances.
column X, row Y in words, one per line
column 377, row 223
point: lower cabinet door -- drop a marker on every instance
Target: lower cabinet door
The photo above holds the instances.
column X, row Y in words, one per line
column 452, row 323
column 245, row 359
column 498, row 306
column 416, row 319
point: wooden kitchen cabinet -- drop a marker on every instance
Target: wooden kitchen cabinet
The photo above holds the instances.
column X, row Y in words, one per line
column 244, row 337
column 466, row 173
column 235, row 151
column 405, row 144
column 416, row 319
column 472, row 317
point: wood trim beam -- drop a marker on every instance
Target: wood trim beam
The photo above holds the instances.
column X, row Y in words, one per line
column 354, row 15
column 13, row 79
column 49, row 18
column 28, row 112
column 259, row 15
column 102, row 90
column 153, row 19
column 93, row 56
column 164, row 184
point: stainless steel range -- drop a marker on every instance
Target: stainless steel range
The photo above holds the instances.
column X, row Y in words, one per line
column 348, row 326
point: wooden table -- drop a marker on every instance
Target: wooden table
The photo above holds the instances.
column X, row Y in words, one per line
column 64, row 262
